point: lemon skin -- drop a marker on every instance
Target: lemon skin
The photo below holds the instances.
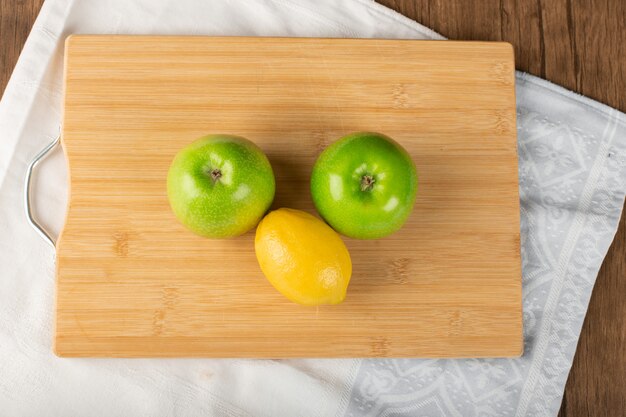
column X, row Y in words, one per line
column 303, row 258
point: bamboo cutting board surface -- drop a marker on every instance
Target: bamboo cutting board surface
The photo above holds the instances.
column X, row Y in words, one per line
column 131, row 281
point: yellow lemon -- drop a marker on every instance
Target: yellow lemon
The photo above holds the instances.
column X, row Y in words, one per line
column 302, row 257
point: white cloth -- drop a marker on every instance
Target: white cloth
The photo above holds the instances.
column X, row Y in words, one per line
column 572, row 182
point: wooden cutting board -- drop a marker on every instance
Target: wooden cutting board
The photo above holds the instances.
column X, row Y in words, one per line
column 131, row 281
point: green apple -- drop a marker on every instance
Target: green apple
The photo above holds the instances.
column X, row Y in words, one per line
column 364, row 185
column 220, row 186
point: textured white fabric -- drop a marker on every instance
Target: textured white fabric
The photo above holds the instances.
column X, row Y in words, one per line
column 572, row 182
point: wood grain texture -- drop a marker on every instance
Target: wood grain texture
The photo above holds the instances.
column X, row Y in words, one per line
column 595, row 386
column 131, row 281
column 16, row 19
column 578, row 44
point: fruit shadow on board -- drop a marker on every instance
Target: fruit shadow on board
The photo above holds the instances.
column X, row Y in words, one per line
column 292, row 157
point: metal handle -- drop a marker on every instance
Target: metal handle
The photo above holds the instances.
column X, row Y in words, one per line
column 29, row 215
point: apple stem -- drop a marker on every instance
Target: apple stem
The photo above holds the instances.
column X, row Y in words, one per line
column 367, row 183
column 216, row 174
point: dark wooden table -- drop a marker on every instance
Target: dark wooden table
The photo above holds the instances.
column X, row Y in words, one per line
column 578, row 44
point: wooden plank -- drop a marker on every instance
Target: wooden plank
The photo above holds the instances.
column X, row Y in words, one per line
column 16, row 20
column 596, row 359
column 598, row 373
column 577, row 44
column 133, row 282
